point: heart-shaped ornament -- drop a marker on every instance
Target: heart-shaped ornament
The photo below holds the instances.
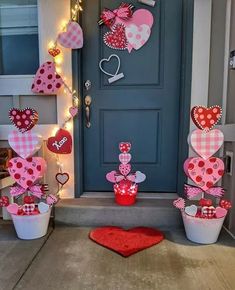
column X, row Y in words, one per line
column 208, row 211
column 206, row 118
column 137, row 36
column 28, row 208
column 125, row 147
column 139, row 177
column 206, row 144
column 43, row 207
column 179, row 203
column 125, row 169
column 125, row 158
column 191, row 210
column 107, row 60
column 54, row 51
column 24, row 120
column 46, row 80
column 73, row 111
column 51, row 199
column 26, row 171
column 205, row 173
column 220, row 212
column 111, row 176
column 62, row 178
column 131, row 177
column 13, row 208
column 25, row 144
column 72, row 37
column 61, row 143
column 116, row 39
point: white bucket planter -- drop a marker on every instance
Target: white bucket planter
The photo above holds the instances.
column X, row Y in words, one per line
column 202, row 231
column 30, row 227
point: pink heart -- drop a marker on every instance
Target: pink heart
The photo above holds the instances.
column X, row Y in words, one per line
column 26, row 171
column 52, row 199
column 46, row 80
column 111, row 176
column 139, row 17
column 125, row 169
column 220, row 212
column 73, row 37
column 206, row 144
column 125, row 158
column 25, row 144
column 13, row 208
column 73, row 111
column 137, row 35
column 186, row 163
column 205, row 173
column 179, row 203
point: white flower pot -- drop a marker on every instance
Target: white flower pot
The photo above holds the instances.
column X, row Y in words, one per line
column 202, row 231
column 30, row 227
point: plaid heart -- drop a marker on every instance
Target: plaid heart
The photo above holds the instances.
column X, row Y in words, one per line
column 125, row 158
column 28, row 208
column 73, row 37
column 208, row 211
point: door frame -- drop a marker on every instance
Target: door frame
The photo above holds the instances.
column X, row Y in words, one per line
column 185, row 100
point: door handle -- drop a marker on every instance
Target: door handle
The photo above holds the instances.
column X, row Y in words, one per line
column 88, row 111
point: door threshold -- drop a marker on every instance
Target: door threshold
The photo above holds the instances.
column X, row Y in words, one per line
column 142, row 195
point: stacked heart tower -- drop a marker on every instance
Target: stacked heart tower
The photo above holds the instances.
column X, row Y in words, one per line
column 125, row 182
column 205, row 171
column 25, row 169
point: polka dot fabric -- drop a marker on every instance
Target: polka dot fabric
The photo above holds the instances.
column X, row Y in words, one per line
column 116, row 39
column 46, row 80
column 26, row 171
column 24, row 120
column 206, row 118
column 205, row 173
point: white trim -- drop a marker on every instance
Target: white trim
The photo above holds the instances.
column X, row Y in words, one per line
column 16, row 85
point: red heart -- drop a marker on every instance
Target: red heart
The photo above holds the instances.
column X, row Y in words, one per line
column 24, row 120
column 116, row 39
column 126, row 242
column 206, row 118
column 54, row 51
column 61, row 143
column 125, row 147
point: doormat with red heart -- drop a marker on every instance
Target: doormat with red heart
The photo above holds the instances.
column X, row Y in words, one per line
column 126, row 242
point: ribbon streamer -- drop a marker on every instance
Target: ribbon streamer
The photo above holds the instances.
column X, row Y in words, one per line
column 108, row 16
column 36, row 190
column 193, row 191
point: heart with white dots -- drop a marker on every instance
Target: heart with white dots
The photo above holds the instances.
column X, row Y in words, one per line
column 206, row 118
column 24, row 120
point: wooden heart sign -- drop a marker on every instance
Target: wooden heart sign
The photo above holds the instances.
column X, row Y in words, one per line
column 46, row 80
column 205, row 173
column 72, row 37
column 24, row 120
column 206, row 144
column 206, row 118
column 62, row 178
column 116, row 39
column 26, row 171
column 25, row 144
column 61, row 143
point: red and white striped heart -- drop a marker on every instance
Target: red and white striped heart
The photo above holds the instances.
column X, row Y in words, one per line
column 125, row 158
column 125, row 169
column 206, row 144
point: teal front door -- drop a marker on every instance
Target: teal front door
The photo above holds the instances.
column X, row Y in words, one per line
column 142, row 108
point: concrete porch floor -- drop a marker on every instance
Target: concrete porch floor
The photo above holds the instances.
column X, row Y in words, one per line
column 67, row 259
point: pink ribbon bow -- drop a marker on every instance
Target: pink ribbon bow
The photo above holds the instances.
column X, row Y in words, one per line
column 192, row 191
column 36, row 190
column 108, row 16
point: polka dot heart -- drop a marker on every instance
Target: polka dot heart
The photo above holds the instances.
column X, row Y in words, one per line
column 205, row 173
column 116, row 39
column 124, row 147
column 26, row 171
column 137, row 36
column 46, row 80
column 24, row 120
column 206, row 118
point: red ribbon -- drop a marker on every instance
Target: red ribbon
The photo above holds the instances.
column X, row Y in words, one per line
column 36, row 190
column 108, row 16
column 4, row 201
column 192, row 191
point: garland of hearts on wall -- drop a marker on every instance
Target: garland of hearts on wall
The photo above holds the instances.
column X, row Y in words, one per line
column 49, row 81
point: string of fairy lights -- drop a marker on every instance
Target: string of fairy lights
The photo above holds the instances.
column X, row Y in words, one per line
column 58, row 60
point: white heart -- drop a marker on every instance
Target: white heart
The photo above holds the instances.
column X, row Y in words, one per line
column 107, row 60
column 137, row 36
column 43, row 207
column 191, row 210
column 125, row 158
column 139, row 177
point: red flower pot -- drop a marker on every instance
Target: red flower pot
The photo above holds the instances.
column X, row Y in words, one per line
column 125, row 192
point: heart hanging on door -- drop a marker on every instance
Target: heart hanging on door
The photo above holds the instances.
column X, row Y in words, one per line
column 116, row 76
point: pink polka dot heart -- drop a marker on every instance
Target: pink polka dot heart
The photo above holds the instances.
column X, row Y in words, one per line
column 24, row 120
column 46, row 80
column 206, row 118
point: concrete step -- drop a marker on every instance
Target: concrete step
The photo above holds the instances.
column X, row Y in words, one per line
column 93, row 212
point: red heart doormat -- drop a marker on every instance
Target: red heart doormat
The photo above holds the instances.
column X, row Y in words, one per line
column 126, row 242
